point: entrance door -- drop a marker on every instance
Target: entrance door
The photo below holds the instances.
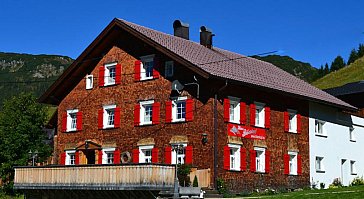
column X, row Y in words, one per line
column 90, row 156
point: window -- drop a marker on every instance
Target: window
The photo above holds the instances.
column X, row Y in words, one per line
column 352, row 134
column 259, row 114
column 146, row 112
column 260, row 159
column 292, row 124
column 179, row 109
column 181, row 155
column 89, row 81
column 109, row 116
column 169, row 69
column 72, row 120
column 234, row 157
column 145, row 154
column 292, row 163
column 146, row 70
column 71, row 157
column 110, row 74
column 353, row 167
column 319, row 164
column 108, row 156
column 234, row 110
column 319, row 128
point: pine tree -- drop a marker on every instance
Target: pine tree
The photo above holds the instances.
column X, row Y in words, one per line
column 353, row 56
column 337, row 64
column 361, row 50
column 321, row 72
column 326, row 69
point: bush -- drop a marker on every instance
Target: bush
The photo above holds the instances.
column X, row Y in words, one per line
column 357, row 181
column 221, row 186
column 183, row 174
column 322, row 185
column 336, row 183
column 195, row 182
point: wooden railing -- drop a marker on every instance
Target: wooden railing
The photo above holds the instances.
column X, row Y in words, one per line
column 104, row 177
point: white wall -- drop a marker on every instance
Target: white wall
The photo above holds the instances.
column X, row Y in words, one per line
column 336, row 146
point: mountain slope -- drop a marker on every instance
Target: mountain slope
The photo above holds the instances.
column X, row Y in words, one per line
column 352, row 73
column 299, row 69
column 29, row 73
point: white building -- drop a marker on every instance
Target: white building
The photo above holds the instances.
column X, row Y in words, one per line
column 336, row 141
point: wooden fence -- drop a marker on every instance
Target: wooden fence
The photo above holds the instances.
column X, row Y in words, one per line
column 203, row 177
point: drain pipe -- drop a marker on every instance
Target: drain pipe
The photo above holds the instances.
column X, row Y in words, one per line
column 216, row 135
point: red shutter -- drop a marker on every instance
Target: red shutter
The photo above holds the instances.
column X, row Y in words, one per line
column 137, row 70
column 299, row 124
column 102, row 76
column 267, row 161
column 253, row 155
column 155, row 112
column 118, row 74
column 155, row 155
column 227, row 157
column 168, row 111
column 136, row 114
column 267, row 117
column 135, row 155
column 168, row 155
column 226, row 110
column 117, row 117
column 101, row 118
column 79, row 121
column 189, row 110
column 77, row 158
column 242, row 159
column 286, row 163
column 189, row 154
column 63, row 158
column 242, row 113
column 299, row 165
column 99, row 158
column 156, row 67
column 117, row 156
column 64, row 122
column 286, row 121
column 252, row 114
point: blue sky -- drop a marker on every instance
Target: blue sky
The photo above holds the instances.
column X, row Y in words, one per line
column 310, row 31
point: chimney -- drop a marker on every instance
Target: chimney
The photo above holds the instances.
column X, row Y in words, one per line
column 206, row 36
column 181, row 29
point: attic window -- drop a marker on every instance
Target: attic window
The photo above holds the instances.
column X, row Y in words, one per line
column 89, row 81
column 110, row 74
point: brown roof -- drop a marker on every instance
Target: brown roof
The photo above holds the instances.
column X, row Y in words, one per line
column 213, row 62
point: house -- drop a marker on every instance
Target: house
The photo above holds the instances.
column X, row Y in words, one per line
column 135, row 94
column 337, row 138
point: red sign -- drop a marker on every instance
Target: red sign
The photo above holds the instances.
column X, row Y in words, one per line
column 246, row 132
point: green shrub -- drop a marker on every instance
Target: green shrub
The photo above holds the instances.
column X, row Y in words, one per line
column 183, row 174
column 195, row 182
column 357, row 181
column 336, row 183
column 221, row 186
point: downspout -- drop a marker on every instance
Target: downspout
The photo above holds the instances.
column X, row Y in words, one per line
column 215, row 135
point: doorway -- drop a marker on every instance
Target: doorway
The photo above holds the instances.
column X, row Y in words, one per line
column 90, row 156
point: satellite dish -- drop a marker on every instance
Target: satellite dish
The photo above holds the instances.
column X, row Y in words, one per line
column 177, row 86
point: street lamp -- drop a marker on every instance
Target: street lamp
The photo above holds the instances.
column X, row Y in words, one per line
column 33, row 156
column 176, row 149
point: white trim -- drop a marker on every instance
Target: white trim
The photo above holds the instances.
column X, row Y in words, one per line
column 183, row 157
column 68, row 158
column 142, row 105
column 294, row 162
column 89, row 82
column 236, row 156
column 260, row 161
column 106, row 116
column 142, row 156
column 69, row 120
column 107, row 81
column 143, row 59
column 236, row 115
column 104, row 154
column 261, row 121
column 174, row 108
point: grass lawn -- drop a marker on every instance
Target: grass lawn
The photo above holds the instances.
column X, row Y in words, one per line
column 346, row 192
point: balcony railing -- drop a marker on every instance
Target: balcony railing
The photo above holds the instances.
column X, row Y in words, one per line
column 96, row 177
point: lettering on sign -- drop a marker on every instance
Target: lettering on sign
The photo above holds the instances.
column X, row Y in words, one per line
column 246, row 132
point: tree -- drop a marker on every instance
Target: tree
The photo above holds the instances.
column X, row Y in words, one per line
column 21, row 122
column 361, row 50
column 338, row 63
column 326, row 69
column 353, row 56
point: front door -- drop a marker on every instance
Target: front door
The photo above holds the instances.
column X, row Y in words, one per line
column 90, row 156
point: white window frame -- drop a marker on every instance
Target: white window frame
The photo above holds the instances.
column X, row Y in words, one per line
column 353, row 167
column 69, row 154
column 174, row 109
column 292, row 120
column 143, row 71
column 320, row 128
column 105, row 153
column 169, row 69
column 234, row 110
column 259, row 159
column 106, row 116
column 352, row 134
column 319, row 164
column 71, row 113
column 235, row 157
column 107, row 78
column 292, row 164
column 89, row 82
column 259, row 114
column 143, row 158
column 143, row 106
column 182, row 156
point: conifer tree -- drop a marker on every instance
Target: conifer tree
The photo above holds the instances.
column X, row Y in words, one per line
column 326, row 69
column 353, row 56
column 337, row 64
column 361, row 50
